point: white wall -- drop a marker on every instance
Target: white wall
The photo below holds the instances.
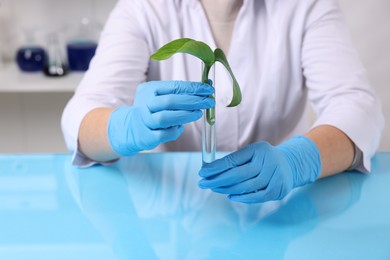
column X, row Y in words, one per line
column 369, row 23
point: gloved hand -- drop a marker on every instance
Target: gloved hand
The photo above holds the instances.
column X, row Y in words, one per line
column 261, row 172
column 160, row 110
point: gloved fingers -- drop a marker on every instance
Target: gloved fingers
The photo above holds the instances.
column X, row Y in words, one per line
column 247, row 186
column 260, row 196
column 165, row 119
column 258, row 181
column 180, row 102
column 182, row 87
column 230, row 161
column 275, row 190
column 234, row 176
column 250, row 198
column 165, row 135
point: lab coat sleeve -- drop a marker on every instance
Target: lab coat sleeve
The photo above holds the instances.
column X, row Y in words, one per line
column 120, row 64
column 337, row 84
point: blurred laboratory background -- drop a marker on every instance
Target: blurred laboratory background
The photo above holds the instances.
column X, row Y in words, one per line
column 46, row 46
column 61, row 34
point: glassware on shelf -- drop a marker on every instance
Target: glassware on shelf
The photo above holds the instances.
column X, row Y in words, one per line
column 31, row 57
column 80, row 54
column 81, row 48
column 55, row 66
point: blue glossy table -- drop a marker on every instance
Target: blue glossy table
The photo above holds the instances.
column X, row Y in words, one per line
column 150, row 207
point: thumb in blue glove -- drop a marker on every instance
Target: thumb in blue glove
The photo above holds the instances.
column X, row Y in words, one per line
column 160, row 110
column 261, row 172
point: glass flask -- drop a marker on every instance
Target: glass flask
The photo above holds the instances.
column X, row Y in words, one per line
column 31, row 57
column 81, row 48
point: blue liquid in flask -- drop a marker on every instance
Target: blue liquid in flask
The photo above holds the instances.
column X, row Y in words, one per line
column 80, row 54
column 31, row 59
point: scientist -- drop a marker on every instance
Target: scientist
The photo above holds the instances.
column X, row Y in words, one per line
column 283, row 53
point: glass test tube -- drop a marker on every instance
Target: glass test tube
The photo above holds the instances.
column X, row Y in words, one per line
column 208, row 130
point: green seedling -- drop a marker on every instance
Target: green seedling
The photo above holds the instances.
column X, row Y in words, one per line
column 209, row 57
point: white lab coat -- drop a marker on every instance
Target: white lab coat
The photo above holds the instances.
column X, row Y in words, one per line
column 282, row 53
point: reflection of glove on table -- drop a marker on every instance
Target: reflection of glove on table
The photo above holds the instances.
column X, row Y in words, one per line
column 160, row 110
column 261, row 172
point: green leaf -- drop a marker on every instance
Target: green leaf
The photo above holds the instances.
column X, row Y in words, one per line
column 220, row 57
column 206, row 54
column 185, row 45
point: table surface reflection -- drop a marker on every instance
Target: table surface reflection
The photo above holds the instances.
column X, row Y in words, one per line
column 150, row 207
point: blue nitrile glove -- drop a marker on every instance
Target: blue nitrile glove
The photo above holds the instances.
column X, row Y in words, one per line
column 261, row 172
column 160, row 110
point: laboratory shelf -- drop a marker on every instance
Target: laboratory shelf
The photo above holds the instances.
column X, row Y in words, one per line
column 12, row 80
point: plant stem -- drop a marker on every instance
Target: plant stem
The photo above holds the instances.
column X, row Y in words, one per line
column 210, row 113
column 208, row 131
